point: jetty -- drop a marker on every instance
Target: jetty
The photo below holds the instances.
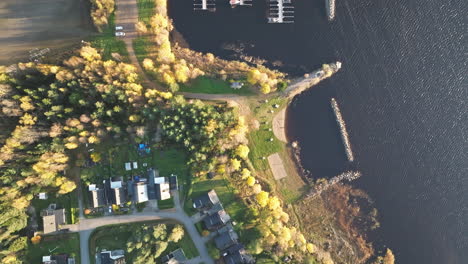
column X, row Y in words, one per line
column 330, row 8
column 235, row 3
column 302, row 84
column 281, row 11
column 344, row 132
column 345, row 176
column 207, row 5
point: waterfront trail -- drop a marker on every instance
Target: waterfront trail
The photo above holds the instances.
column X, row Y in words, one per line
column 85, row 227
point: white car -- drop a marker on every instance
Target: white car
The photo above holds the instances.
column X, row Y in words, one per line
column 118, row 28
column 119, row 34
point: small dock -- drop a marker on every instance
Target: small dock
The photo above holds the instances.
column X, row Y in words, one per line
column 281, row 11
column 207, row 5
column 235, row 3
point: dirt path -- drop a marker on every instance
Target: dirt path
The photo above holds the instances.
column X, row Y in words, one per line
column 127, row 16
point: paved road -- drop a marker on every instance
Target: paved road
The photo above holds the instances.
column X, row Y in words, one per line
column 86, row 226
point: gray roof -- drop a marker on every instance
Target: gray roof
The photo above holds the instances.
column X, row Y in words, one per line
column 97, row 198
column 226, row 239
column 236, row 254
column 218, row 219
column 206, row 200
column 175, row 256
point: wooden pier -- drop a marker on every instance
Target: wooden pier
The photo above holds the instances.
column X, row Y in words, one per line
column 235, row 3
column 208, row 5
column 281, row 11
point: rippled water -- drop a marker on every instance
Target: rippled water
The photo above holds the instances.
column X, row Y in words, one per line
column 403, row 94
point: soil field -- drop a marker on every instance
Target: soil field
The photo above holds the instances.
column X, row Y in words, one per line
column 29, row 24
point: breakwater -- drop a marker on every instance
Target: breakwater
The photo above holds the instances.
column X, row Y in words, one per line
column 321, row 187
column 343, row 131
column 300, row 85
column 330, row 7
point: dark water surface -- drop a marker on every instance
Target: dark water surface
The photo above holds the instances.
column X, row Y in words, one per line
column 403, row 93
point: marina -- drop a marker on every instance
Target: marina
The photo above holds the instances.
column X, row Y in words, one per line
column 207, row 5
column 280, row 11
column 235, row 3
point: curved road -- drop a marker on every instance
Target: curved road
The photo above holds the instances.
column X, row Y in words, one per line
column 86, row 227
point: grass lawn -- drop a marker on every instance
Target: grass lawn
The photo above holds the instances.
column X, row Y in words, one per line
column 109, row 43
column 145, row 10
column 67, row 201
column 116, row 237
column 226, row 193
column 213, row 86
column 173, row 161
column 166, row 204
column 59, row 244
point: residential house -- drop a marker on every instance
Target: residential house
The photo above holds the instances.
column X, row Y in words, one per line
column 97, row 196
column 175, row 257
column 162, row 191
column 140, row 192
column 226, row 238
column 236, row 254
column 205, row 201
column 58, row 259
column 115, row 191
column 52, row 218
column 216, row 220
column 112, row 257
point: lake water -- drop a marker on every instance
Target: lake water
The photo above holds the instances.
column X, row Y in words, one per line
column 403, row 93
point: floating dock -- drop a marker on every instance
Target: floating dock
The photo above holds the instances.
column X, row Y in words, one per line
column 344, row 132
column 208, row 5
column 330, row 8
column 281, row 11
column 235, row 3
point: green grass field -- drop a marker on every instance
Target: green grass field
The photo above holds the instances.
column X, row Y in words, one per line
column 145, row 10
column 213, row 86
column 109, row 43
column 226, row 193
column 58, row 244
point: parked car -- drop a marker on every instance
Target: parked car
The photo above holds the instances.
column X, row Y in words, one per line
column 118, row 28
column 110, row 209
column 119, row 34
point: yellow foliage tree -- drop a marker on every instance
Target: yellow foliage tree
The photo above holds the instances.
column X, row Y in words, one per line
column 389, row 258
column 242, row 151
column 245, row 173
column 311, row 248
column 95, row 156
column 235, row 164
column 71, row 145
column 250, row 181
column 262, row 198
column 274, row 203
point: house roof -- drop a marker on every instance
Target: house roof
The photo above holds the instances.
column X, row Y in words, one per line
column 97, row 198
column 217, row 219
column 226, row 239
column 236, row 254
column 206, row 200
column 175, row 256
column 52, row 219
column 55, row 259
column 141, row 192
column 118, row 196
column 162, row 191
column 112, row 257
